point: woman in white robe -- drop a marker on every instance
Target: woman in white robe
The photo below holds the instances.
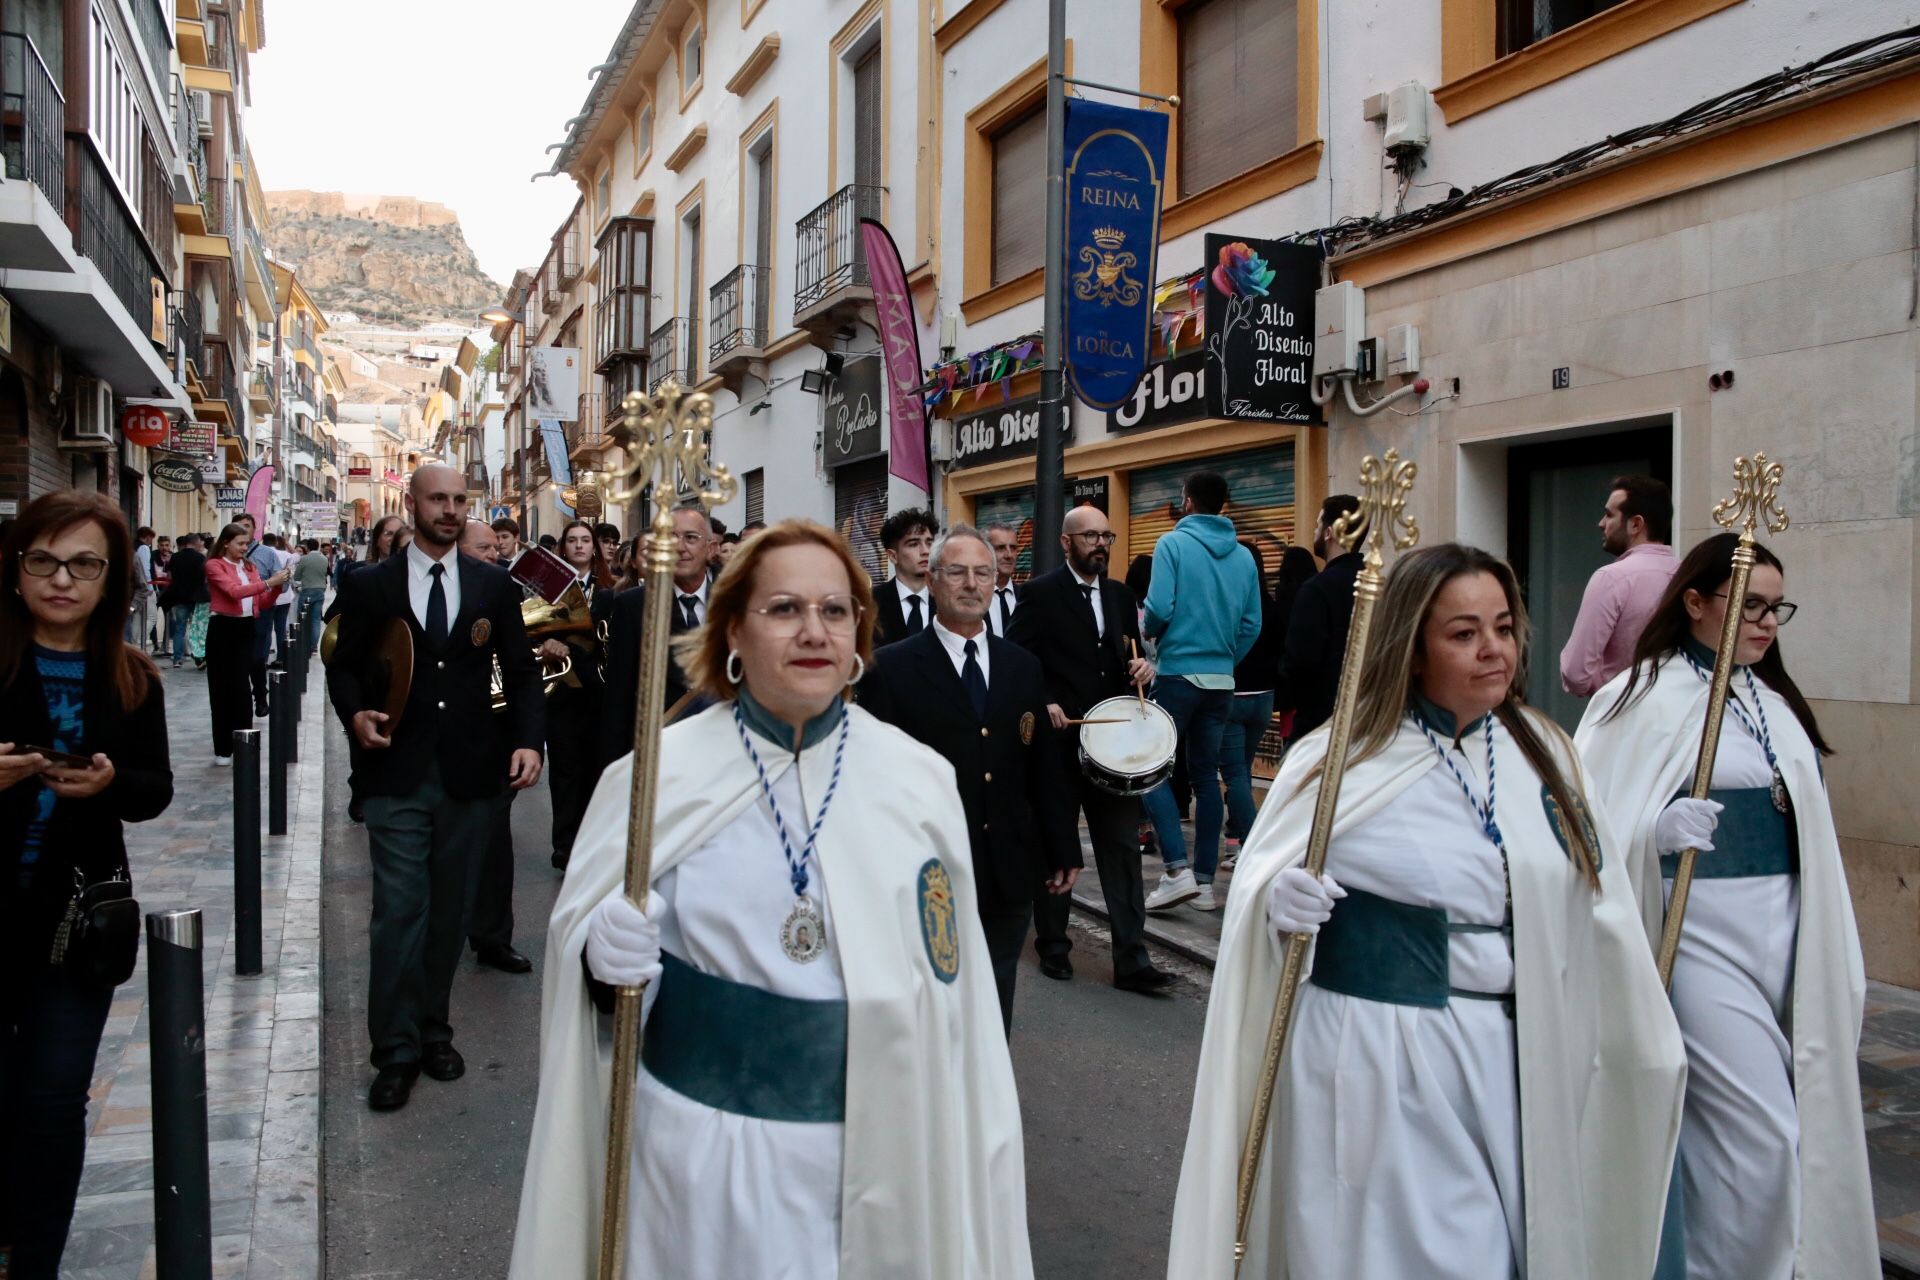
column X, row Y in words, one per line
column 824, row 1088
column 1482, row 1079
column 1768, row 983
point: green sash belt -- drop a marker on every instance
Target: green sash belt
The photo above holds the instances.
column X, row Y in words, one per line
column 1378, row 949
column 1753, row 839
column 739, row 1049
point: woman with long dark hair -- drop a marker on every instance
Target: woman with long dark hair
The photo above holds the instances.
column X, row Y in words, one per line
column 68, row 683
column 573, row 708
column 1482, row 1079
column 238, row 593
column 1768, row 982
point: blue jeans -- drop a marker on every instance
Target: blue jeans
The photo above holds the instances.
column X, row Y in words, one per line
column 50, row 1027
column 311, row 601
column 1200, row 717
column 179, row 618
column 1247, row 720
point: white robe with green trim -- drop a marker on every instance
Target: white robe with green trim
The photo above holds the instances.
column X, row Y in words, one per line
column 1599, row 1061
column 933, row 1183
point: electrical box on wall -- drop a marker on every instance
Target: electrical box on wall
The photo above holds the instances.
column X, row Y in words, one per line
column 1403, row 350
column 940, row 442
column 1339, row 322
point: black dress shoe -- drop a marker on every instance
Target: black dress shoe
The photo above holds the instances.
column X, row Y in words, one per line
column 1143, row 980
column 1058, row 968
column 442, row 1061
column 560, row 860
column 503, row 958
column 356, row 810
column 392, row 1086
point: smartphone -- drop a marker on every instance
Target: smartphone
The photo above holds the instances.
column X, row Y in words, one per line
column 65, row 759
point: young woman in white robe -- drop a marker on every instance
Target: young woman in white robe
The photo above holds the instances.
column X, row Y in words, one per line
column 1482, row 1079
column 825, row 1089
column 1768, row 982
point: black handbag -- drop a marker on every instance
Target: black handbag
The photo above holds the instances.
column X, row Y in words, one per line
column 98, row 938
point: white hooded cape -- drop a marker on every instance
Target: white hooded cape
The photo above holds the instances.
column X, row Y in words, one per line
column 934, row 1182
column 1601, row 1061
column 1639, row 760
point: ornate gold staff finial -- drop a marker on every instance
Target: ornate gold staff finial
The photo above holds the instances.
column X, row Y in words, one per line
column 1382, row 513
column 667, row 439
column 1756, row 497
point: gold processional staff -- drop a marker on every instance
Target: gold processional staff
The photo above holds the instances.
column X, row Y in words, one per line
column 1756, row 487
column 1384, row 485
column 668, row 435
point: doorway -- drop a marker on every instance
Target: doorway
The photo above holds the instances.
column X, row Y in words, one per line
column 1556, row 492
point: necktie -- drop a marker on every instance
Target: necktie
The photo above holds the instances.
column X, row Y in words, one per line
column 976, row 682
column 689, row 612
column 1006, row 612
column 437, row 609
column 913, row 619
column 1093, row 614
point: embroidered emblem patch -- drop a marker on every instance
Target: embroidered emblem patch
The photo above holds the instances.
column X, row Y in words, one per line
column 481, row 630
column 1026, row 729
column 1557, row 820
column 939, row 928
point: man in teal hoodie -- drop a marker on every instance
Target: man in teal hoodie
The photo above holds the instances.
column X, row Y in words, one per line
column 1203, row 608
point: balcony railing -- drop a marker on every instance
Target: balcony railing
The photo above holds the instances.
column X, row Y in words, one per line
column 220, row 41
column 191, row 146
column 218, row 202
column 830, row 255
column 667, row 351
column 109, row 236
column 589, row 427
column 218, row 377
column 739, row 305
column 156, row 35
column 265, row 388
column 188, row 328
column 32, row 119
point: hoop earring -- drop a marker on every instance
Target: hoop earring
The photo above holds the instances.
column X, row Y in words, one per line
column 734, row 672
column 859, row 670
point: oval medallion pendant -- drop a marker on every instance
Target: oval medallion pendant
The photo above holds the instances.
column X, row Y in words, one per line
column 803, row 934
column 1779, row 790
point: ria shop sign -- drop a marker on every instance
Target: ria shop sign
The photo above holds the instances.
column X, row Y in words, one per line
column 852, row 406
column 1010, row 430
column 1259, row 327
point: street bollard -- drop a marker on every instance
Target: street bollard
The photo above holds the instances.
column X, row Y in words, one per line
column 278, row 734
column 182, row 1200
column 246, row 852
column 294, row 649
column 300, row 663
column 291, row 696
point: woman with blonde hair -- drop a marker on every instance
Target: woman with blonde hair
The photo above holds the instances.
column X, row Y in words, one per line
column 1482, row 1078
column 824, row 1087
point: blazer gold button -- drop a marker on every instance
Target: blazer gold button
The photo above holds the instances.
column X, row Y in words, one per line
column 983, row 733
column 441, row 665
column 441, row 705
column 989, row 777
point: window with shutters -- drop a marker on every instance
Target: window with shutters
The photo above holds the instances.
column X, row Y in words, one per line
column 642, row 136
column 693, row 53
column 756, row 496
column 1019, row 194
column 1238, row 87
column 1522, row 22
column 866, row 118
column 603, row 195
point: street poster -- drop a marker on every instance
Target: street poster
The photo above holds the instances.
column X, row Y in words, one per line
column 1115, row 165
column 1259, row 327
column 553, row 383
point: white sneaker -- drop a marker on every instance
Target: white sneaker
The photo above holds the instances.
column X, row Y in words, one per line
column 1173, row 890
column 222, row 762
column 1205, row 901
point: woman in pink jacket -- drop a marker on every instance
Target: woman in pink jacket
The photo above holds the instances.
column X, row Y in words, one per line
column 237, row 591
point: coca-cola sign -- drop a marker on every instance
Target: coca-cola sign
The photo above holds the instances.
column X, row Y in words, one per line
column 1170, row 392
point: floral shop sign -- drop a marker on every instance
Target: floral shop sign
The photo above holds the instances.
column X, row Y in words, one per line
column 1259, row 327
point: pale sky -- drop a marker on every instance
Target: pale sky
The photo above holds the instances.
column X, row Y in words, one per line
column 447, row 100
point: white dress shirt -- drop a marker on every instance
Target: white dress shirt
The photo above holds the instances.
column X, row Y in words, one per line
column 1000, row 611
column 907, row 593
column 700, row 594
column 956, row 647
column 420, row 582
column 1099, row 609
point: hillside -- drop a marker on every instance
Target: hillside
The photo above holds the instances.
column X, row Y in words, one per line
column 389, row 259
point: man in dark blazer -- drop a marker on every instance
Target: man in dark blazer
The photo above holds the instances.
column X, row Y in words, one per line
column 981, row 702
column 904, row 603
column 1005, row 541
column 688, row 609
column 1079, row 623
column 1316, row 644
column 431, row 782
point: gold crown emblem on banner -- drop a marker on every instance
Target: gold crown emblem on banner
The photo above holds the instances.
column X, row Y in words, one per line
column 1109, row 238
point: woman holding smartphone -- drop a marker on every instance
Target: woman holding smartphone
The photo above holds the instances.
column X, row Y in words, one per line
column 93, row 705
column 238, row 591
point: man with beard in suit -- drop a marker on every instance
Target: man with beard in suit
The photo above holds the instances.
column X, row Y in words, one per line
column 1079, row 623
column 981, row 702
column 693, row 543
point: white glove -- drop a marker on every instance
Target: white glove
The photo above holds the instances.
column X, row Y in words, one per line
column 1297, row 903
column 623, row 943
column 1687, row 824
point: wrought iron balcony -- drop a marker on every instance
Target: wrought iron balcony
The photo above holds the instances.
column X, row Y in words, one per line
column 218, row 200
column 830, row 258
column 189, row 329
column 155, row 25
column 32, row 119
column 109, row 236
column 586, row 434
column 739, row 305
column 669, row 352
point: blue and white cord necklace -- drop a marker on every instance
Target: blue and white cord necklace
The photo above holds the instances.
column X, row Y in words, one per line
column 803, row 935
column 1758, row 732
column 1484, row 812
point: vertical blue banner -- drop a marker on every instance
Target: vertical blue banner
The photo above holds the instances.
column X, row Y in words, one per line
column 1115, row 164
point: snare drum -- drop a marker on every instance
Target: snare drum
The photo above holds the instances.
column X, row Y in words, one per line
column 1132, row 757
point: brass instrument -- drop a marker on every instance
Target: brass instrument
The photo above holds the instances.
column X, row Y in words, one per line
column 667, row 437
column 1384, row 485
column 543, row 621
column 1756, row 485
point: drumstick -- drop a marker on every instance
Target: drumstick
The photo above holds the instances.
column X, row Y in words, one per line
column 1114, row 720
column 1139, row 686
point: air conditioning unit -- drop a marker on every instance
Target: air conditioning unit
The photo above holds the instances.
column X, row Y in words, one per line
column 203, row 112
column 90, row 425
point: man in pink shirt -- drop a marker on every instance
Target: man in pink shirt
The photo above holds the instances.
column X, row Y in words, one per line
column 1637, row 527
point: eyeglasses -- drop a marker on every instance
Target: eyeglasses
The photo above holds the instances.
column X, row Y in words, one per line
column 1755, row 609
column 692, row 538
column 786, row 616
column 960, row 573
column 43, row 564
column 1097, row 539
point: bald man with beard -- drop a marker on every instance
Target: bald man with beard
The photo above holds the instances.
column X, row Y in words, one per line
column 432, row 777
